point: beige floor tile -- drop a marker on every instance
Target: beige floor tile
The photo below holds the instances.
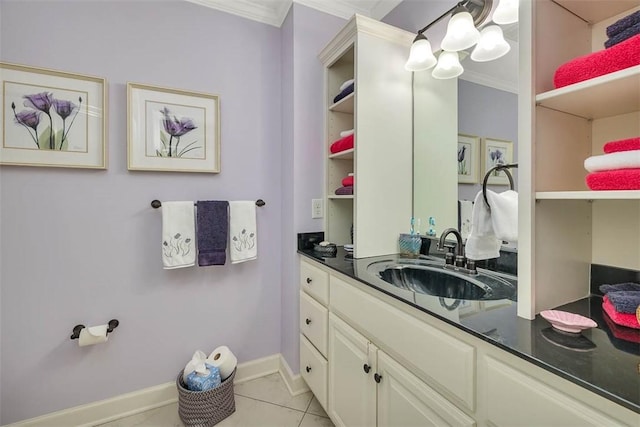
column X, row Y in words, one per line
column 316, row 409
column 254, row 413
column 311, row 420
column 165, row 416
column 271, row 389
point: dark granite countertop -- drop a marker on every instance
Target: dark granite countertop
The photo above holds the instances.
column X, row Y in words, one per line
column 597, row 359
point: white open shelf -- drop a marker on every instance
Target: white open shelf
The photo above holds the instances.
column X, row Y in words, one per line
column 589, row 195
column 335, row 196
column 346, row 154
column 595, row 11
column 345, row 105
column 604, row 96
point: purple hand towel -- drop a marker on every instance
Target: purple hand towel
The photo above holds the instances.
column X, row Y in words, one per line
column 625, row 301
column 345, row 191
column 213, row 228
column 623, row 23
column 620, row 287
column 624, row 35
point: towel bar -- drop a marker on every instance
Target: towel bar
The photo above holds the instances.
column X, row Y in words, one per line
column 488, row 174
column 155, row 204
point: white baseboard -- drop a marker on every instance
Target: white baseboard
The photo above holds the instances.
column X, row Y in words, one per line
column 294, row 383
column 128, row 404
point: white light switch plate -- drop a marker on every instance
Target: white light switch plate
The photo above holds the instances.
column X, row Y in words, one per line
column 316, row 208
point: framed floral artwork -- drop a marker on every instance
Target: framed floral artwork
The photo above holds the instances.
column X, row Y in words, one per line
column 496, row 152
column 172, row 130
column 468, row 154
column 52, row 118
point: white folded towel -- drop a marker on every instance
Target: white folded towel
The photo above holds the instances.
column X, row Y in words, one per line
column 178, row 235
column 346, row 133
column 344, row 85
column 466, row 213
column 482, row 242
column 613, row 161
column 504, row 214
column 243, row 245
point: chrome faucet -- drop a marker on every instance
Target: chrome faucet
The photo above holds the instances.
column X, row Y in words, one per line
column 456, row 262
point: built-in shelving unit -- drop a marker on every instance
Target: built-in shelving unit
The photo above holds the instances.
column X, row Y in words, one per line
column 569, row 226
column 379, row 111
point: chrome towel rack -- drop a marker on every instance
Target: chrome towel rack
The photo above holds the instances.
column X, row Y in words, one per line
column 155, row 204
column 498, row 168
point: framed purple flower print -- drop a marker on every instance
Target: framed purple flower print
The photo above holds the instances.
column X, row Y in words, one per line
column 468, row 165
column 172, row 130
column 496, row 152
column 52, row 118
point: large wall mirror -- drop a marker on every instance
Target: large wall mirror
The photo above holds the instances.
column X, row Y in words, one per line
column 487, row 120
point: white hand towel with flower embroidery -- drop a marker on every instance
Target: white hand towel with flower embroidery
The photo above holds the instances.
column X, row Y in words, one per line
column 178, row 235
column 482, row 242
column 243, row 236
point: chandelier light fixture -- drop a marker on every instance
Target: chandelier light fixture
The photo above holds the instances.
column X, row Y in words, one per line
column 463, row 32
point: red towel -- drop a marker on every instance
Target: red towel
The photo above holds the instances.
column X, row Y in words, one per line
column 618, row 57
column 620, row 179
column 622, row 319
column 621, row 332
column 347, row 181
column 622, row 145
column 342, row 144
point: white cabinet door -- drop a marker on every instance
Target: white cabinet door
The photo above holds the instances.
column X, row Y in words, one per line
column 405, row 401
column 352, row 390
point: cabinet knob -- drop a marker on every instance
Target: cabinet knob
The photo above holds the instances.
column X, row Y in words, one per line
column 366, row 368
column 307, row 321
column 309, row 280
column 377, row 377
column 308, row 368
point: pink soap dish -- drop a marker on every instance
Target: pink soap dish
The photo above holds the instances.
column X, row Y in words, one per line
column 568, row 322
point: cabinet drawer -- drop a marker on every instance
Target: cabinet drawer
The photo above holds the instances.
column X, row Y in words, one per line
column 514, row 397
column 314, row 318
column 315, row 282
column 446, row 362
column 313, row 368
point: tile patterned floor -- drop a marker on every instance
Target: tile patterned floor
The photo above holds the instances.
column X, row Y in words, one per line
column 263, row 402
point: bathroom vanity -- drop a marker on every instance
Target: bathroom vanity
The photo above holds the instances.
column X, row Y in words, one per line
column 375, row 354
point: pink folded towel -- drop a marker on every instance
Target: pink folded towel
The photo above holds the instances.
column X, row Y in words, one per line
column 622, row 319
column 347, row 181
column 623, row 179
column 342, row 144
column 622, row 145
column 621, row 332
column 621, row 56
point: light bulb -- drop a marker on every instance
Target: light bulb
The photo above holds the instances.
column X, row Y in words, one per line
column 492, row 45
column 506, row 12
column 420, row 57
column 461, row 33
column 448, row 66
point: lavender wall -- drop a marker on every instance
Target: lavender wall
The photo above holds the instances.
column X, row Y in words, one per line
column 83, row 246
column 304, row 149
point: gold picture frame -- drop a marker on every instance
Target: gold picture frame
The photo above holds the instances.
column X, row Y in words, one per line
column 172, row 130
column 52, row 118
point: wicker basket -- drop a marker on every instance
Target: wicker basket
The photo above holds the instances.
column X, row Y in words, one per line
column 205, row 408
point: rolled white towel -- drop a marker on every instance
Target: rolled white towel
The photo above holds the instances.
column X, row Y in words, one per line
column 613, row 161
column 346, row 133
column 344, row 85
